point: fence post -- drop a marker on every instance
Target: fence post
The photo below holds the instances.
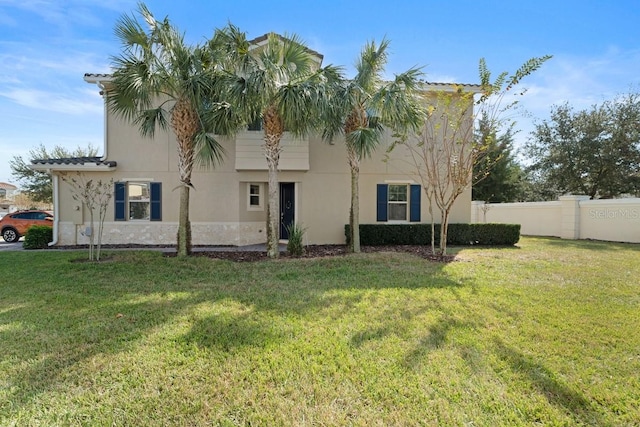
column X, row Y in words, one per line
column 571, row 216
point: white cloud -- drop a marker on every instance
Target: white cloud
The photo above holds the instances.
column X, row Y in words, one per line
column 68, row 13
column 580, row 81
column 583, row 81
column 54, row 101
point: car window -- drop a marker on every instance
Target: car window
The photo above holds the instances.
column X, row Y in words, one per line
column 24, row 215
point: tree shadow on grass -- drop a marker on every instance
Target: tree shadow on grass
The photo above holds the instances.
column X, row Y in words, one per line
column 435, row 338
column 545, row 381
column 106, row 309
column 227, row 333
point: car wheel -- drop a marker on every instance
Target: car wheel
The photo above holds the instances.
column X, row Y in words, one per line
column 10, row 235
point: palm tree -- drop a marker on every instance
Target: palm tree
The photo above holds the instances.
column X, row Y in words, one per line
column 366, row 105
column 160, row 81
column 278, row 84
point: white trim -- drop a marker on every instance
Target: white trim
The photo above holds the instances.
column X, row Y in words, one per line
column 56, row 209
column 260, row 206
column 399, row 182
column 141, row 180
column 406, row 203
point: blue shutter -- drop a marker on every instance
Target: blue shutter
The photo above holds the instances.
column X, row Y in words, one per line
column 414, row 203
column 156, row 201
column 382, row 200
column 120, row 201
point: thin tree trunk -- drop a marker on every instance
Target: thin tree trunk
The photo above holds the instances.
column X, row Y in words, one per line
column 433, row 223
column 91, row 235
column 100, row 228
column 444, row 228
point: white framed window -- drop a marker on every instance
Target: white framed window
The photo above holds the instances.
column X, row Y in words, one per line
column 255, row 196
column 139, row 200
column 398, row 202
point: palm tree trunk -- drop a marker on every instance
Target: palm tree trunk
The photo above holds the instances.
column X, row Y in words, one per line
column 272, row 153
column 354, row 211
column 185, row 167
column 184, row 225
column 186, row 124
column 273, row 130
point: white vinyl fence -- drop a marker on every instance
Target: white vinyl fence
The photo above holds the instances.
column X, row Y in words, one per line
column 571, row 217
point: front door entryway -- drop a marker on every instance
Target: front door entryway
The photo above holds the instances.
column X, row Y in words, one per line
column 287, row 207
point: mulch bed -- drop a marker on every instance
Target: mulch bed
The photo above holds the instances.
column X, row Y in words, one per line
column 323, row 251
column 311, row 251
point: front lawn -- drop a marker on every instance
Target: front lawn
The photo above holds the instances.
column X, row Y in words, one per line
column 546, row 333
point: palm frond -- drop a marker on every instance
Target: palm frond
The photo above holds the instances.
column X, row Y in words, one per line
column 371, row 64
column 208, row 151
column 364, row 141
column 148, row 120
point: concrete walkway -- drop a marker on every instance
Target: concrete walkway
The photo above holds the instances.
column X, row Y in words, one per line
column 17, row 246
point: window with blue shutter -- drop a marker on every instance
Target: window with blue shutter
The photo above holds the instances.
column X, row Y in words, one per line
column 398, row 202
column 138, row 201
column 414, row 203
column 156, row 201
column 120, row 201
column 381, row 211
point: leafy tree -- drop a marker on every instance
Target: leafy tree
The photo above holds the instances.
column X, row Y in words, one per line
column 595, row 152
column 37, row 184
column 277, row 84
column 535, row 187
column 497, row 176
column 363, row 107
column 160, row 81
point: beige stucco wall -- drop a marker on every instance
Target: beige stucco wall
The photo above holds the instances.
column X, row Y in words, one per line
column 616, row 220
column 535, row 218
column 218, row 209
column 571, row 217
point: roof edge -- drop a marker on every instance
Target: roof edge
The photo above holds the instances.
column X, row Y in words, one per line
column 73, row 164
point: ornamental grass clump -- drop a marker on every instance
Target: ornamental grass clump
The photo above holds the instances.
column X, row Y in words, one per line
column 295, row 247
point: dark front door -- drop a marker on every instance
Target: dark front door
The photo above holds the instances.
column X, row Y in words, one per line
column 287, row 207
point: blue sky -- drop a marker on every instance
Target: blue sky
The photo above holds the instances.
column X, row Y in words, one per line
column 46, row 46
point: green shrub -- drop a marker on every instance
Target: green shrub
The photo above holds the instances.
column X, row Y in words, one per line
column 420, row 234
column 38, row 237
column 295, row 247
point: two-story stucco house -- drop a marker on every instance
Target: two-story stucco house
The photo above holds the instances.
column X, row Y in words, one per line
column 228, row 206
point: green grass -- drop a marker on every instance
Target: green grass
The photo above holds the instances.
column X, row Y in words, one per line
column 547, row 333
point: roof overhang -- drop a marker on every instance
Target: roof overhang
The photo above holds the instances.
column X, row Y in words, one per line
column 72, row 168
column 451, row 87
column 98, row 78
column 73, row 164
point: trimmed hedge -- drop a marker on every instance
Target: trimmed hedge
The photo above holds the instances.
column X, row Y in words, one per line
column 38, row 237
column 420, row 234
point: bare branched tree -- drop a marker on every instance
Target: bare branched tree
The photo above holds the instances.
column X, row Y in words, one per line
column 448, row 148
column 93, row 195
